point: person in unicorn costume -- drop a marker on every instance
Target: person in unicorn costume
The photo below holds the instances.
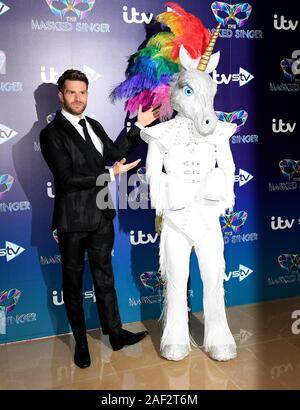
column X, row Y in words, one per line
column 190, row 170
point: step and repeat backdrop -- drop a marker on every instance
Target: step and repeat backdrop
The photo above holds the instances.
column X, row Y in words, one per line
column 258, row 81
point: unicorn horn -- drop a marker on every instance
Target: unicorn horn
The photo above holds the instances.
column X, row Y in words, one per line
column 207, row 53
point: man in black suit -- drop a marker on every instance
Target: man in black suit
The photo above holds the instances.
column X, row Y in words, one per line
column 76, row 149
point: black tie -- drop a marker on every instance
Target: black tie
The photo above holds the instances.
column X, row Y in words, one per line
column 86, row 134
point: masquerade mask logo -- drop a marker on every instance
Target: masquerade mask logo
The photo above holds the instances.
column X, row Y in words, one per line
column 234, row 221
column 141, row 173
column 12, row 295
column 151, row 280
column 55, row 236
column 50, row 117
column 291, row 67
column 79, row 7
column 141, row 181
column 290, row 168
column 237, row 117
column 289, row 262
column 6, row 182
column 225, row 12
column 286, row 66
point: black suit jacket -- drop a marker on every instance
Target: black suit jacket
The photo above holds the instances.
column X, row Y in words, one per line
column 76, row 167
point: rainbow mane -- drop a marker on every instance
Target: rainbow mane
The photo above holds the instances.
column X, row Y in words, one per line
column 152, row 69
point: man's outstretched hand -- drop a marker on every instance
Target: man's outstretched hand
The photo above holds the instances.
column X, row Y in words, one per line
column 120, row 167
column 147, row 117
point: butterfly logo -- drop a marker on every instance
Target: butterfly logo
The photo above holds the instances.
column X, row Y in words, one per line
column 6, row 182
column 234, row 221
column 151, row 280
column 225, row 12
column 6, row 295
column 55, row 235
column 286, row 66
column 289, row 262
column 237, row 117
column 80, row 7
column 289, row 167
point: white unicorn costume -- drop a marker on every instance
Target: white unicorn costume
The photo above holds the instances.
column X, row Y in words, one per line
column 186, row 187
column 190, row 193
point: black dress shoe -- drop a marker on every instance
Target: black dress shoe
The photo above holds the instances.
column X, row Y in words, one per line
column 123, row 337
column 82, row 356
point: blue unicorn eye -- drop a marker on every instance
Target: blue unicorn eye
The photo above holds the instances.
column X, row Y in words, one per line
column 188, row 91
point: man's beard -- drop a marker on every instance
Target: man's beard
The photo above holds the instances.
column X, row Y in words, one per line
column 72, row 111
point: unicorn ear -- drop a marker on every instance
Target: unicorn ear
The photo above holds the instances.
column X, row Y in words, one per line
column 213, row 62
column 186, row 60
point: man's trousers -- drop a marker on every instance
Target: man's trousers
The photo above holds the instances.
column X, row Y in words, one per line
column 98, row 244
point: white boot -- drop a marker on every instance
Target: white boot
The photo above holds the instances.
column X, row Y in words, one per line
column 175, row 352
column 222, row 353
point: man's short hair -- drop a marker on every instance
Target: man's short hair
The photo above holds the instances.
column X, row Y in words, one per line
column 72, row 75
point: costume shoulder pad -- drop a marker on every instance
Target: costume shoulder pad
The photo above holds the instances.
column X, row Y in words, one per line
column 163, row 133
